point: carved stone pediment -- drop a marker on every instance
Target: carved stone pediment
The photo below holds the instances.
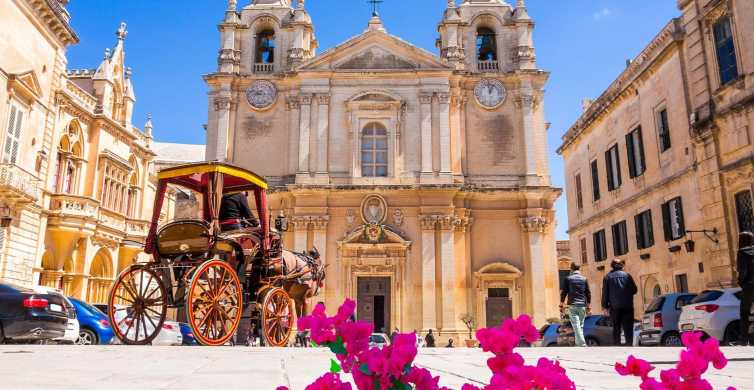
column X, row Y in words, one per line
column 376, row 58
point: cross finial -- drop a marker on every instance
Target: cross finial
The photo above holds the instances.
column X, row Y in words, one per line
column 122, row 32
column 520, row 3
column 375, row 6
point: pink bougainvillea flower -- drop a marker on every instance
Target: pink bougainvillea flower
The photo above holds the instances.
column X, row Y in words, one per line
column 422, row 379
column 329, row 381
column 319, row 325
column 634, row 367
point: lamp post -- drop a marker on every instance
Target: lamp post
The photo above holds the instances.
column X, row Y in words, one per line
column 5, row 215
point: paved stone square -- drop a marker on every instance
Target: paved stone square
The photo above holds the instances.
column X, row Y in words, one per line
column 172, row 368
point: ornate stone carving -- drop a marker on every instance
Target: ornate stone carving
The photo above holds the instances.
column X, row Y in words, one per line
column 305, row 99
column 463, row 222
column 444, row 98
column 534, row 224
column 324, row 99
column 398, row 217
column 292, row 102
column 525, row 100
column 261, row 94
column 428, row 222
column 300, row 222
column 222, row 103
column 523, row 53
column 319, row 222
column 374, row 210
column 425, row 98
column 350, row 218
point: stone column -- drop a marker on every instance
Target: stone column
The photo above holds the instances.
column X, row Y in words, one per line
column 426, row 134
column 293, row 144
column 300, row 233
column 322, row 137
column 534, row 231
column 429, row 301
column 445, row 168
column 526, row 101
column 448, row 271
column 219, row 148
column 319, row 225
column 304, row 133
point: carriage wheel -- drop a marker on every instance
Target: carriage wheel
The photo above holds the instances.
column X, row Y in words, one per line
column 277, row 317
column 214, row 302
column 137, row 305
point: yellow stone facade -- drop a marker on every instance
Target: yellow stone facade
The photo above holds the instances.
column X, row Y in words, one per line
column 692, row 102
column 77, row 176
column 426, row 191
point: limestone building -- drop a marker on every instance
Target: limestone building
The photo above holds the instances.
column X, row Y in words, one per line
column 421, row 178
column 77, row 176
column 659, row 167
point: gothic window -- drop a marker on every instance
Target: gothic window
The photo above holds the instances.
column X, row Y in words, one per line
column 114, row 189
column 744, row 212
column 635, row 150
column 68, row 160
column 265, row 47
column 725, row 50
column 486, row 45
column 13, row 134
column 374, row 151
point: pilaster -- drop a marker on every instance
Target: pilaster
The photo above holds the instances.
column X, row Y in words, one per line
column 526, row 102
column 429, row 300
column 534, row 228
column 322, row 176
column 445, row 167
column 292, row 104
column 425, row 100
column 300, row 233
column 305, row 102
column 449, row 285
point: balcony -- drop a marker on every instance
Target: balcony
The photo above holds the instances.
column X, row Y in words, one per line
column 261, row 67
column 136, row 229
column 488, row 66
column 112, row 220
column 17, row 184
column 62, row 205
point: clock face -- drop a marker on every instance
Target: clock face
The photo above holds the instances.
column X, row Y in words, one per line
column 490, row 93
column 261, row 94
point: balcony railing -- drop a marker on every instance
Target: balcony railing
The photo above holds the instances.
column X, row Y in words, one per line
column 17, row 183
column 488, row 66
column 74, row 206
column 264, row 67
column 137, row 228
column 112, row 220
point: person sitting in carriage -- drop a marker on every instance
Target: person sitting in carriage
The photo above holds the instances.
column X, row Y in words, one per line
column 235, row 212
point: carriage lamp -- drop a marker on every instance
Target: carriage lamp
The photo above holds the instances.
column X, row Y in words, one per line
column 281, row 223
column 710, row 234
column 5, row 215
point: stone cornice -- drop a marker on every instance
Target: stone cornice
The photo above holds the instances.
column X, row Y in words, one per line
column 672, row 33
column 55, row 17
column 534, row 224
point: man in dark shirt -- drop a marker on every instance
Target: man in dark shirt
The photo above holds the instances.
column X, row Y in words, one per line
column 576, row 289
column 235, row 212
column 618, row 290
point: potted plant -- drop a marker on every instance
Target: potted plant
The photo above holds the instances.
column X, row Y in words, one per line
column 468, row 320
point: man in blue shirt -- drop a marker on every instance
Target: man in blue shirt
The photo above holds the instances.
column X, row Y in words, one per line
column 576, row 289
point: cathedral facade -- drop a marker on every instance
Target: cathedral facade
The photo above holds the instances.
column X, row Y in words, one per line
column 422, row 179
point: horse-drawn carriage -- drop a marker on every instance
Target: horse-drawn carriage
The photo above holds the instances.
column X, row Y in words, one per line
column 215, row 277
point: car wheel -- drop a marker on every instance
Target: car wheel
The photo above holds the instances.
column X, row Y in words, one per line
column 86, row 337
column 732, row 333
column 672, row 339
column 592, row 342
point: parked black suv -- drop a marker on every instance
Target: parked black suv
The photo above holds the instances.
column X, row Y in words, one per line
column 27, row 316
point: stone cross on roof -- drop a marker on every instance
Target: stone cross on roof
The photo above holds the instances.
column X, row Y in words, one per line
column 375, row 6
column 122, row 32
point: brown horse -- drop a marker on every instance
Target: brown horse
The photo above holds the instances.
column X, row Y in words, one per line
column 304, row 275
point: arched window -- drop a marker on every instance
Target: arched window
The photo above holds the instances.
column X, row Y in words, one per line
column 374, row 151
column 68, row 161
column 265, row 47
column 486, row 45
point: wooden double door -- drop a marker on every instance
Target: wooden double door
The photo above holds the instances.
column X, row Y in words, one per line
column 373, row 302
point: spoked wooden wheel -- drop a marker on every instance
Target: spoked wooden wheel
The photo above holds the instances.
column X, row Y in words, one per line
column 214, row 302
column 277, row 317
column 137, row 305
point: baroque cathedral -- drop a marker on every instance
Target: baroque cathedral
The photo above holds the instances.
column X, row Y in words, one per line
column 422, row 179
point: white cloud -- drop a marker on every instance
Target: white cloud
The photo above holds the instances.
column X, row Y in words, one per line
column 602, row 14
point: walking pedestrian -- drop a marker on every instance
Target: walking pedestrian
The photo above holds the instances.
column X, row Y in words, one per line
column 745, row 266
column 618, row 290
column 576, row 289
column 429, row 339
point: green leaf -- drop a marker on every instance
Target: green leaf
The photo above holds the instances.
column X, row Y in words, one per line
column 397, row 385
column 314, row 344
column 337, row 347
column 364, row 368
column 335, row 367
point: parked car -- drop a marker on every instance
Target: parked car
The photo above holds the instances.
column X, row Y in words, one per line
column 598, row 331
column 27, row 315
column 715, row 313
column 659, row 324
column 379, row 340
column 549, row 335
column 94, row 325
column 187, row 334
column 72, row 328
column 420, row 343
column 170, row 334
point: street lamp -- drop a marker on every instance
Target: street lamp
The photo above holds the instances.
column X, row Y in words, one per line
column 710, row 234
column 5, row 215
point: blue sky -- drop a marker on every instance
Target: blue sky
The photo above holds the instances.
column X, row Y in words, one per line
column 584, row 44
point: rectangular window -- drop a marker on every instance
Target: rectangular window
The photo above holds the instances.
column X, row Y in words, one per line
column 644, row 232
column 744, row 212
column 584, row 252
column 612, row 165
column 681, row 283
column 726, row 51
column 673, row 223
column 620, row 238
column 498, row 293
column 663, row 129
column 595, row 181
column 600, row 246
column 579, row 196
column 13, row 134
column 635, row 150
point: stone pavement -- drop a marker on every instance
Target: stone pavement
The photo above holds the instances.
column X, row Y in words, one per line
column 228, row 368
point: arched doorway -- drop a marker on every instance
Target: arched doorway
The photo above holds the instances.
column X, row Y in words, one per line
column 497, row 293
column 651, row 290
column 100, row 277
